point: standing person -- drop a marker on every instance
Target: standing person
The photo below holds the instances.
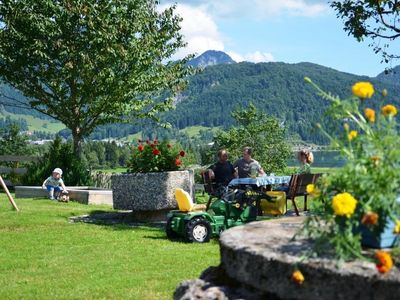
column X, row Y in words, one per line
column 247, row 165
column 54, row 184
column 305, row 158
column 222, row 171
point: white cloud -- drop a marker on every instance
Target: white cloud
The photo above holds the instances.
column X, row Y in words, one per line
column 254, row 57
column 199, row 30
column 262, row 8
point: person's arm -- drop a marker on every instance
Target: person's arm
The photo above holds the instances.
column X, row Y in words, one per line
column 210, row 171
column 63, row 185
column 44, row 183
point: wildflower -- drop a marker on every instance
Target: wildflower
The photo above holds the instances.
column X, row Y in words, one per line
column 363, row 89
column 384, row 261
column 384, row 92
column 140, row 148
column 346, row 126
column 389, row 110
column 344, row 204
column 178, row 162
column 312, row 190
column 375, row 159
column 370, row 114
column 182, row 153
column 155, row 142
column 352, row 135
column 370, row 218
column 397, row 227
column 156, row 152
column 297, row 277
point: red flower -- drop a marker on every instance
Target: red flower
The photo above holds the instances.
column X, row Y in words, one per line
column 147, row 141
column 140, row 148
column 182, row 153
column 156, row 151
column 155, row 142
column 178, row 162
column 169, row 146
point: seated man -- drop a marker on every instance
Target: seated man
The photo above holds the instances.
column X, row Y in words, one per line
column 246, row 165
column 222, row 172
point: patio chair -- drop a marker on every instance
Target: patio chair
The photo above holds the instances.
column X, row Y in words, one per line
column 185, row 202
column 298, row 187
column 210, row 188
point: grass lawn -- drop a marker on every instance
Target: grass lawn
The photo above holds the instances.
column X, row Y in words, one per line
column 43, row 256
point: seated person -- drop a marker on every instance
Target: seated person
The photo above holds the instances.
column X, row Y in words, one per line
column 306, row 158
column 222, row 172
column 246, row 165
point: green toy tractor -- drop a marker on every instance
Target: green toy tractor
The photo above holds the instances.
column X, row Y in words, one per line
column 197, row 223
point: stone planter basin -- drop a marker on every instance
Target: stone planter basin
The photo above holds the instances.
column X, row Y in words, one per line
column 81, row 194
column 150, row 195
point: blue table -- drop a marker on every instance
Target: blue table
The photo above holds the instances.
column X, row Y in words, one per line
column 261, row 181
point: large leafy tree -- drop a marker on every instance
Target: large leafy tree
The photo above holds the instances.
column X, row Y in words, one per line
column 261, row 132
column 376, row 19
column 92, row 62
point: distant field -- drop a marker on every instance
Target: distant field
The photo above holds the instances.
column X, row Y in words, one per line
column 195, row 130
column 36, row 124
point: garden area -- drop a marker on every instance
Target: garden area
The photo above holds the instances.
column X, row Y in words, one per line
column 44, row 256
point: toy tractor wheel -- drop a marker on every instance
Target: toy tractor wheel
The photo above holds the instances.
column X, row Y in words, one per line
column 198, row 230
column 171, row 234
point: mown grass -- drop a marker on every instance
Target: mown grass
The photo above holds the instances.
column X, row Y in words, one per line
column 43, row 256
column 36, row 124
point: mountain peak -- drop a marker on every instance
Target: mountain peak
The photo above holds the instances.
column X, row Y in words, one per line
column 211, row 58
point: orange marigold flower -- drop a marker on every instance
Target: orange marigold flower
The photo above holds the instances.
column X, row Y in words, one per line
column 370, row 114
column 140, row 148
column 384, row 261
column 370, row 218
column 363, row 89
column 178, row 162
column 389, row 110
column 182, row 153
column 156, row 152
column 297, row 277
column 397, row 227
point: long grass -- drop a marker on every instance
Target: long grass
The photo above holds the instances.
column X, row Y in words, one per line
column 44, row 256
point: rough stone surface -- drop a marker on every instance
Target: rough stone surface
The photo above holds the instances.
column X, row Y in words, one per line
column 150, row 191
column 262, row 255
column 82, row 194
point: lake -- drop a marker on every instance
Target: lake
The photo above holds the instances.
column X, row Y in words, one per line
column 322, row 159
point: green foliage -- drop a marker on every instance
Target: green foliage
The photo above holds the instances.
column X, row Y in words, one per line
column 155, row 156
column 12, row 142
column 60, row 155
column 89, row 63
column 260, row 132
column 371, row 18
column 371, row 145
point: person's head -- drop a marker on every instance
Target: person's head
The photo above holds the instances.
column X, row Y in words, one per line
column 222, row 155
column 247, row 152
column 57, row 173
column 305, row 156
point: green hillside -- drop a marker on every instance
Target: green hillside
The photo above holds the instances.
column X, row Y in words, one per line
column 276, row 88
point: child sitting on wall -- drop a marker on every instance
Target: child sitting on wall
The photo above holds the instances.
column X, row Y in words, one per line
column 54, row 184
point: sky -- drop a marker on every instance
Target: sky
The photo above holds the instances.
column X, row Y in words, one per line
column 289, row 31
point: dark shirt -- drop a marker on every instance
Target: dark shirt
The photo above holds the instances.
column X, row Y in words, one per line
column 223, row 172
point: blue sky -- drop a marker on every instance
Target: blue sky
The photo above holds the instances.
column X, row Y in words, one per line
column 290, row 31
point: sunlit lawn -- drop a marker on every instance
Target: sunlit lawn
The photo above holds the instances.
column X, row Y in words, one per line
column 43, row 256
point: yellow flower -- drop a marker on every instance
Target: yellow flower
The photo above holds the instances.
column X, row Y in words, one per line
column 397, row 227
column 344, row 204
column 384, row 261
column 369, row 114
column 363, row 89
column 297, row 277
column 352, row 134
column 389, row 110
column 312, row 190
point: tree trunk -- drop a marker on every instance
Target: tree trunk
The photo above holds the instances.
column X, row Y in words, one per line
column 77, row 138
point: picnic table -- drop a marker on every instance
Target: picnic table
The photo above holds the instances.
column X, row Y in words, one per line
column 261, row 180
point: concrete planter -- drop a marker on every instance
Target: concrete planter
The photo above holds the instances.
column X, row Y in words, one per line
column 150, row 195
